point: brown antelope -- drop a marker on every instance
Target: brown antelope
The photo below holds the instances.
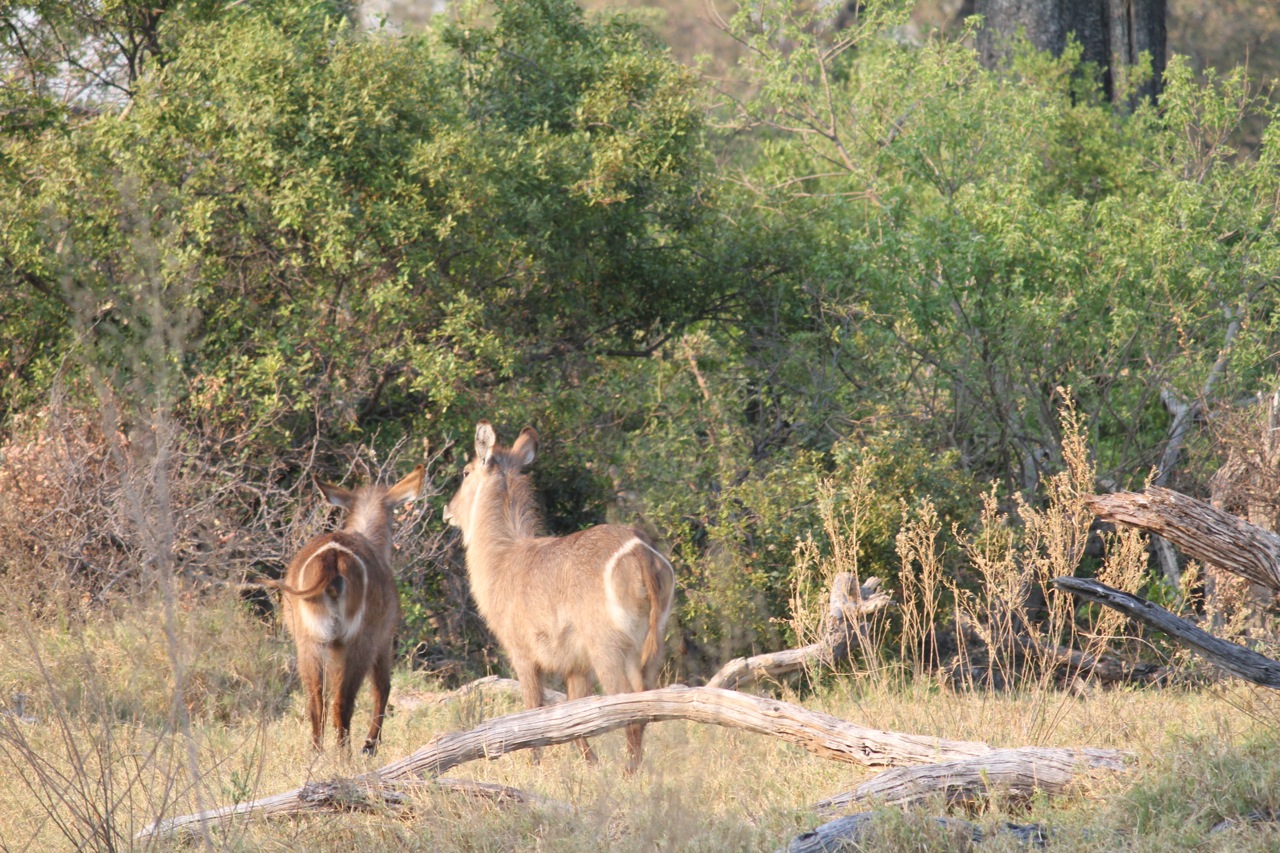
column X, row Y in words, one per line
column 594, row 601
column 342, row 608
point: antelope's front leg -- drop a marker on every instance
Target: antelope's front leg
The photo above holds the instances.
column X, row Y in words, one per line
column 578, row 685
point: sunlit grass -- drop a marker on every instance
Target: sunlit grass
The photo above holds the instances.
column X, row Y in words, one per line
column 1201, row 757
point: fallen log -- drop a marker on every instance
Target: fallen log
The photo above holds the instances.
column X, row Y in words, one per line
column 1202, row 531
column 821, row 734
column 1020, row 772
column 850, row 833
column 1235, row 659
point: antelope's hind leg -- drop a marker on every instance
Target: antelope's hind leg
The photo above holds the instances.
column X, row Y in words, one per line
column 348, row 680
column 577, row 685
column 380, row 684
column 311, row 674
column 626, row 677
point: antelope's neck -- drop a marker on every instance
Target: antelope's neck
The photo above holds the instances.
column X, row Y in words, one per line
column 503, row 516
column 370, row 520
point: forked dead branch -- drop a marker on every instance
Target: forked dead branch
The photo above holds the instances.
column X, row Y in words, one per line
column 840, row 625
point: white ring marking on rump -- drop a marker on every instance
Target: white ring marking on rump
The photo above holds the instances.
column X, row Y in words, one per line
column 330, row 626
column 623, row 618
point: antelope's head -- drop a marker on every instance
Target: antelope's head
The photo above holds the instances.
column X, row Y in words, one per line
column 371, row 508
column 491, row 464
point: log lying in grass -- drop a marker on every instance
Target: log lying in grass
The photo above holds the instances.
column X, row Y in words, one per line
column 839, row 625
column 826, row 736
column 1018, row 772
column 850, row 831
column 821, row 734
column 1237, row 660
column 1200, row 530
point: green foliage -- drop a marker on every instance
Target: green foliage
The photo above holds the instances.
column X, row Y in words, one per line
column 978, row 239
column 376, row 220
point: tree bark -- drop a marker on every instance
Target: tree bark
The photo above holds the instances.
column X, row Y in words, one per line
column 1237, row 660
column 838, row 627
column 1112, row 33
column 1203, row 532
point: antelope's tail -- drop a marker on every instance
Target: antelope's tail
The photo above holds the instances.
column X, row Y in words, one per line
column 659, row 600
column 328, row 571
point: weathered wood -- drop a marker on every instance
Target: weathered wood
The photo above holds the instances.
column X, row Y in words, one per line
column 1200, row 530
column 1019, row 773
column 839, row 625
column 850, row 832
column 821, row 734
column 826, row 736
column 1237, row 660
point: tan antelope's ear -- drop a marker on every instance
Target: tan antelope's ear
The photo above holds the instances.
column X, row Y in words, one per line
column 335, row 495
column 526, row 447
column 408, row 488
column 486, row 438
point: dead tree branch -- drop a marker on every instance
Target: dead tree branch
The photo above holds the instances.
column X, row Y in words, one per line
column 850, row 831
column 1237, row 660
column 821, row 734
column 1017, row 772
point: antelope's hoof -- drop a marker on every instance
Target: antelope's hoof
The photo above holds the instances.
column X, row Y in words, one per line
column 370, row 748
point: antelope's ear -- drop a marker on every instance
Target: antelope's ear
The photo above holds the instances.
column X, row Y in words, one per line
column 408, row 488
column 486, row 438
column 526, row 447
column 335, row 495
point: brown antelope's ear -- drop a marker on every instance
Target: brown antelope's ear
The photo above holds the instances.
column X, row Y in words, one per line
column 408, row 488
column 486, row 438
column 526, row 447
column 335, row 495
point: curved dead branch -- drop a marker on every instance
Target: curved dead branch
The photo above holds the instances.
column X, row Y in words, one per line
column 1202, row 531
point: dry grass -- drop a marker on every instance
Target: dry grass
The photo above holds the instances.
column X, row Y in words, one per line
column 701, row 788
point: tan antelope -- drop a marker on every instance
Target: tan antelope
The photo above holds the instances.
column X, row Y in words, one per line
column 595, row 601
column 342, row 608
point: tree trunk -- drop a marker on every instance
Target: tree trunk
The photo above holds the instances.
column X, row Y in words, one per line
column 1113, row 34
